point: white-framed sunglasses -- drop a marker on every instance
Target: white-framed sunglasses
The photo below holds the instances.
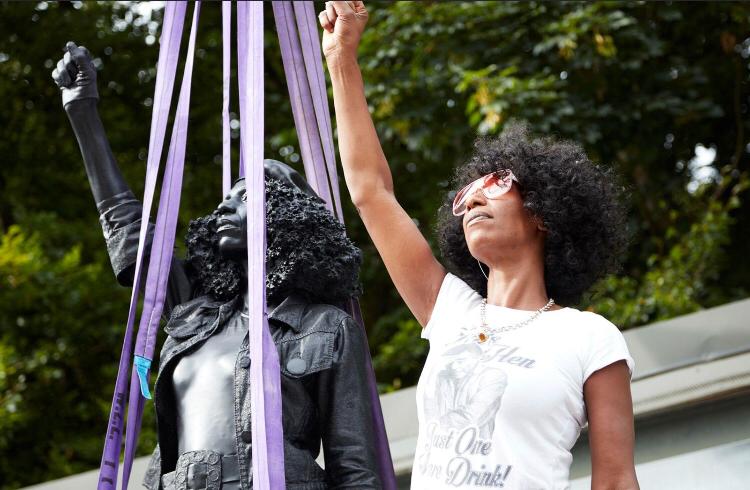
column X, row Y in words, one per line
column 492, row 186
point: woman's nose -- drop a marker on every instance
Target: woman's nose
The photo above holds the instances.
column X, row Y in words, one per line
column 475, row 198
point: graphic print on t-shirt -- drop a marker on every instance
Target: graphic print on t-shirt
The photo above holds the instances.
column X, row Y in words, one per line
column 466, row 392
column 461, row 411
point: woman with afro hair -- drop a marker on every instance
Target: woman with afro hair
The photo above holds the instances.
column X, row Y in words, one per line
column 513, row 373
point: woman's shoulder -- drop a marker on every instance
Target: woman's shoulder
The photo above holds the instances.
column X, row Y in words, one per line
column 583, row 319
column 455, row 293
column 456, row 302
column 591, row 320
column 583, row 327
column 600, row 341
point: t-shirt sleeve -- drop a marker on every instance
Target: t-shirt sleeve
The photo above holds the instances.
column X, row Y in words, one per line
column 607, row 345
column 453, row 301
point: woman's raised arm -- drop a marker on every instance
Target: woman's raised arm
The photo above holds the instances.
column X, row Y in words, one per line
column 408, row 258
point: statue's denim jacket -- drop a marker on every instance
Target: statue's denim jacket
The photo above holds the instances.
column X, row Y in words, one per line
column 324, row 397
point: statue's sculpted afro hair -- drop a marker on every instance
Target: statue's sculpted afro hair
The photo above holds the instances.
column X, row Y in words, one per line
column 307, row 251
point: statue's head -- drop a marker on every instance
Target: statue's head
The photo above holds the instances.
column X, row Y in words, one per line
column 307, row 247
column 232, row 211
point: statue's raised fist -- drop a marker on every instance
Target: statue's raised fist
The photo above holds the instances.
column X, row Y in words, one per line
column 75, row 74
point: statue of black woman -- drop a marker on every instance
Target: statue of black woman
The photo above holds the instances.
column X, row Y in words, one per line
column 202, row 395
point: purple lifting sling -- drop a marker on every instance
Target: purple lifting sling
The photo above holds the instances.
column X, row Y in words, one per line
column 301, row 57
column 265, row 376
column 174, row 16
column 302, row 65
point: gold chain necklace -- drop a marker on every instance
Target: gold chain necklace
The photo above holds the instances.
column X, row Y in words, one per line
column 487, row 333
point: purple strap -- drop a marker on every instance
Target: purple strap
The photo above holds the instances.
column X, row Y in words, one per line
column 301, row 100
column 265, row 374
column 161, row 257
column 241, row 69
column 174, row 16
column 382, row 449
column 304, row 71
column 226, row 33
column 308, row 26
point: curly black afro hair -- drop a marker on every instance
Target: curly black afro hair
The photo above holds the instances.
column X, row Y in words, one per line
column 579, row 202
column 307, row 252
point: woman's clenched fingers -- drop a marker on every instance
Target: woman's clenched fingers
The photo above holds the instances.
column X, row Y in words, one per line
column 331, row 12
column 325, row 23
column 342, row 8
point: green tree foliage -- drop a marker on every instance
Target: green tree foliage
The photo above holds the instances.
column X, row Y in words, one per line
column 55, row 336
column 639, row 84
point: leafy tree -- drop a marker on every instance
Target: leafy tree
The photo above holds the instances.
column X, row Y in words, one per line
column 639, row 84
column 51, row 370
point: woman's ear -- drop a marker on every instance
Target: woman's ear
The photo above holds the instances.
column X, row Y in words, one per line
column 539, row 222
column 536, row 220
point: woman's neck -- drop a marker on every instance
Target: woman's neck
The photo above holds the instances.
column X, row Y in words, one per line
column 517, row 284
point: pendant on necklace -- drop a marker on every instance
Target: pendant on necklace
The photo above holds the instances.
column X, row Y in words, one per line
column 482, row 337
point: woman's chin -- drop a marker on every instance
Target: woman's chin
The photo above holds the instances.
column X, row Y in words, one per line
column 479, row 239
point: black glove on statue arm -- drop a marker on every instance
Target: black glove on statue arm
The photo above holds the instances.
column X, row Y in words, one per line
column 76, row 76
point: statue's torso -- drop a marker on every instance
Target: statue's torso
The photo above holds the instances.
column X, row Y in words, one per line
column 203, row 383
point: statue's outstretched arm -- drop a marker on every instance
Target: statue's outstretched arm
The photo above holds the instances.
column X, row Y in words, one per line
column 119, row 210
column 76, row 76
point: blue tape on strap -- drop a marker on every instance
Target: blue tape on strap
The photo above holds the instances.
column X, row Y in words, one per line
column 142, row 367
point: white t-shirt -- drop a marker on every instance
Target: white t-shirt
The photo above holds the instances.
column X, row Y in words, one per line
column 505, row 413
